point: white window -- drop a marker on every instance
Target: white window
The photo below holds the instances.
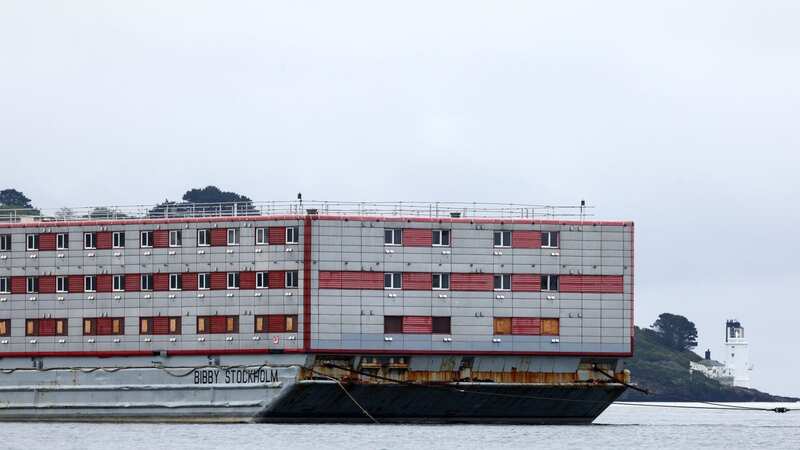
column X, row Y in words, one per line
column 118, row 239
column 291, row 235
column 146, row 239
column 4, row 285
column 5, row 242
column 90, row 283
column 441, row 281
column 550, row 239
column 393, row 280
column 203, row 281
column 89, row 241
column 393, row 236
column 233, row 236
column 62, row 241
column 61, row 284
column 502, row 282
column 175, row 238
column 147, row 281
column 261, row 236
column 441, row 238
column 32, row 242
column 261, row 280
column 202, row 238
column 233, row 280
column 119, row 283
column 175, row 282
column 291, row 279
column 32, row 285
column 549, row 282
column 502, row 239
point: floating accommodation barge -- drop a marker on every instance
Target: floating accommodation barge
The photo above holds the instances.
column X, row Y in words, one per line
column 316, row 312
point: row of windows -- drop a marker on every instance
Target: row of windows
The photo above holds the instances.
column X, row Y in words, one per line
column 533, row 326
column 146, row 239
column 441, row 281
column 441, row 238
column 176, row 281
column 113, row 326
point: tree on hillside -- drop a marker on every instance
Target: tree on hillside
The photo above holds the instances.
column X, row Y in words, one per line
column 208, row 201
column 12, row 198
column 676, row 331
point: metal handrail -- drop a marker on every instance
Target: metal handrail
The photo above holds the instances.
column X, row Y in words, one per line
column 235, row 209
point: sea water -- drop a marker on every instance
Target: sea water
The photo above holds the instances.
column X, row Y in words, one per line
column 621, row 426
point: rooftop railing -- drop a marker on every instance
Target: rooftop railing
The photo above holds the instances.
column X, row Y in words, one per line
column 235, row 209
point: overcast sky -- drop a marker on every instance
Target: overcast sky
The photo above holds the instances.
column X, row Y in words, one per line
column 682, row 117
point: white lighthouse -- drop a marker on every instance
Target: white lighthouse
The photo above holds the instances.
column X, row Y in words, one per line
column 737, row 355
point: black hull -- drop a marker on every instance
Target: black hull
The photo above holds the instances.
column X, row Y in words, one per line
column 484, row 403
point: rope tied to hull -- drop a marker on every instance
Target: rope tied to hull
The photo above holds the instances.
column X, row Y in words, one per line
column 337, row 381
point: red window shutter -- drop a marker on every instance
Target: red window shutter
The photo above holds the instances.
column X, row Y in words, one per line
column 417, row 324
column 353, row 280
column 526, row 282
column 526, row 239
column 133, row 282
column 417, row 237
column 216, row 324
column 47, row 242
column 160, row 238
column 600, row 284
column 330, row 280
column 75, row 283
column 219, row 237
column 103, row 240
column 471, row 282
column 47, row 285
column 417, row 281
column 276, row 279
column 160, row 281
column 247, row 280
column 219, row 280
column 103, row 326
column 189, row 281
column 526, row 325
column 104, row 283
column 18, row 285
column 160, row 325
column 276, row 323
column 276, row 235
column 47, row 327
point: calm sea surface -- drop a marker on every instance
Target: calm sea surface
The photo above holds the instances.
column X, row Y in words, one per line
column 619, row 427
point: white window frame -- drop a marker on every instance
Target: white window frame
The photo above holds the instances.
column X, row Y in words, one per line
column 443, row 279
column 175, row 238
column 62, row 241
column 31, row 285
column 505, row 282
column 234, row 280
column 292, row 235
column 89, row 240
column 551, row 236
column 261, row 236
column 393, row 280
column 118, row 283
column 233, row 233
column 203, row 281
column 149, row 278
column 503, row 242
column 290, row 279
column 62, row 281
column 441, row 233
column 262, row 280
column 118, row 239
column 149, row 234
column 204, row 242
column 5, row 242
column 4, row 287
column 90, row 283
column 175, row 282
column 396, row 236
column 32, row 242
column 547, row 282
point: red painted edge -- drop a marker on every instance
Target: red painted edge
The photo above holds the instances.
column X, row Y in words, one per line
column 633, row 328
column 307, row 283
column 76, row 223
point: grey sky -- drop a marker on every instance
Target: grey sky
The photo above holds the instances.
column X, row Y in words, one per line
column 681, row 116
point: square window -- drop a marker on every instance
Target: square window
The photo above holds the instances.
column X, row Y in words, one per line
column 89, row 241
column 202, row 238
column 441, row 238
column 90, row 283
column 118, row 284
column 5, row 242
column 441, row 280
column 175, row 282
column 291, row 279
column 393, row 280
column 261, row 280
column 502, row 239
column 502, row 325
column 147, row 282
column 62, row 284
column 233, row 280
column 4, row 285
column 393, row 236
column 441, row 325
column 291, row 235
column 550, row 239
column 32, row 285
column 62, row 241
column 502, row 282
column 233, row 236
column 393, row 324
column 118, row 239
column 146, row 239
column 549, row 282
column 261, row 236
column 175, row 238
column 203, row 281
column 32, row 242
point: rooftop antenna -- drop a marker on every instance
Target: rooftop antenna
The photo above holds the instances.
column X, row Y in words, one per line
column 300, row 199
column 583, row 209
